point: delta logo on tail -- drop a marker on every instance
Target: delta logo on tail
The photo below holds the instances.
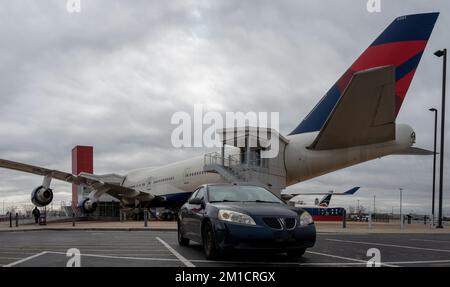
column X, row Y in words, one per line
column 400, row 45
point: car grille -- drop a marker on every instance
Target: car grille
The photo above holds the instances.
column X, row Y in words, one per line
column 280, row 223
column 273, row 222
column 290, row 223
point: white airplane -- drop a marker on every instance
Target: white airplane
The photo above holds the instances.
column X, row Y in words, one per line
column 354, row 122
column 296, row 198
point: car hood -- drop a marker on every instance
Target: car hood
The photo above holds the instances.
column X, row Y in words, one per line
column 258, row 208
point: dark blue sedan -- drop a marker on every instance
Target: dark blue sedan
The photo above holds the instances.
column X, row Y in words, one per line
column 234, row 217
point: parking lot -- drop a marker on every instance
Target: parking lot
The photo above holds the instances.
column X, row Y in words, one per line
column 160, row 248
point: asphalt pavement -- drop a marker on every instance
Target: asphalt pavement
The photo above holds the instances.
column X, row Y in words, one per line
column 160, row 248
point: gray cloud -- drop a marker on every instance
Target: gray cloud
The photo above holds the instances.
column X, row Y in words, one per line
column 113, row 75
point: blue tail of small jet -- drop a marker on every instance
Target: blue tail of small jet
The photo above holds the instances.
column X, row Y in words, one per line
column 325, row 200
column 351, row 191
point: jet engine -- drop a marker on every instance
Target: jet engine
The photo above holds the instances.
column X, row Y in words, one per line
column 41, row 196
column 88, row 205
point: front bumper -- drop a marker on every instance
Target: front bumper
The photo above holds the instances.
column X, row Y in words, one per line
column 242, row 236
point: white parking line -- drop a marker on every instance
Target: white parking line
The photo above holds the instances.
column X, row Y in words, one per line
column 118, row 257
column 347, row 258
column 25, row 259
column 355, row 261
column 430, row 240
column 280, row 263
column 178, row 255
column 421, row 262
column 390, row 245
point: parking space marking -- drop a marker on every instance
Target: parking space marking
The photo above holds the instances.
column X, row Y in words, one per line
column 389, row 245
column 430, row 240
column 177, row 255
column 348, row 258
column 118, row 257
column 421, row 262
column 25, row 259
column 281, row 263
column 10, row 258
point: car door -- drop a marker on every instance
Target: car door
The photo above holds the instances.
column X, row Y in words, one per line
column 186, row 216
column 197, row 212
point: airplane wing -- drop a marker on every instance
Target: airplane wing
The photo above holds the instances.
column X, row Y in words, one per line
column 365, row 113
column 97, row 184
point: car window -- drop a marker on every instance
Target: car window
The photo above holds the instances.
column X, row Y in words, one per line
column 218, row 193
column 201, row 193
column 193, row 194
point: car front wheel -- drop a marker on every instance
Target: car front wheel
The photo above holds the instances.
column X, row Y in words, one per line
column 181, row 240
column 209, row 243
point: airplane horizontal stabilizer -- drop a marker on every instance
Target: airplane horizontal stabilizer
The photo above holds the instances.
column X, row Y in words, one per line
column 365, row 113
column 350, row 191
column 415, row 151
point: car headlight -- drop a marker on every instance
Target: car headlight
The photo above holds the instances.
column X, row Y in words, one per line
column 237, row 217
column 306, row 219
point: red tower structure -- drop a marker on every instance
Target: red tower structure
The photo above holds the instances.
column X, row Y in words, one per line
column 82, row 161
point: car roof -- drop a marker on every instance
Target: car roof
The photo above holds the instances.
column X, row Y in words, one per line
column 230, row 184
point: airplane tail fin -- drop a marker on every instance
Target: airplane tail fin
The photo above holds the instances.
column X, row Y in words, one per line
column 351, row 191
column 325, row 202
column 400, row 45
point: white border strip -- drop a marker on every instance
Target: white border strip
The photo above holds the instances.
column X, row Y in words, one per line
column 25, row 259
column 178, row 255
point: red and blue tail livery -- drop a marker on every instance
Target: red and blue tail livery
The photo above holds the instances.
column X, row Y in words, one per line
column 400, row 45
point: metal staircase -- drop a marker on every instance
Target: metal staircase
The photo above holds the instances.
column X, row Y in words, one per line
column 230, row 167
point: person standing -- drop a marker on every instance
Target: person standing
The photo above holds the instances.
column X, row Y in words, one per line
column 36, row 213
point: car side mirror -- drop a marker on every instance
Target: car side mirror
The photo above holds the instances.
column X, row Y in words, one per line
column 195, row 201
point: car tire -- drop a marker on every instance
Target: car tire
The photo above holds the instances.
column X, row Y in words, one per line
column 209, row 242
column 296, row 253
column 181, row 240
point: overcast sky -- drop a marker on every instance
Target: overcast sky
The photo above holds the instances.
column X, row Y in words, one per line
column 113, row 75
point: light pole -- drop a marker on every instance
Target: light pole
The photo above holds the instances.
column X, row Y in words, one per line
column 374, row 197
column 358, row 206
column 401, row 214
column 434, row 162
column 441, row 53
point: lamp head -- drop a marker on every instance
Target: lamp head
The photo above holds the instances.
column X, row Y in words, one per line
column 440, row 53
column 432, row 110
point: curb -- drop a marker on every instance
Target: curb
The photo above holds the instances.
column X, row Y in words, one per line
column 89, row 229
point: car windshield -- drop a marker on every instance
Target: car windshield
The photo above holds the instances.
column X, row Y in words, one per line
column 238, row 193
